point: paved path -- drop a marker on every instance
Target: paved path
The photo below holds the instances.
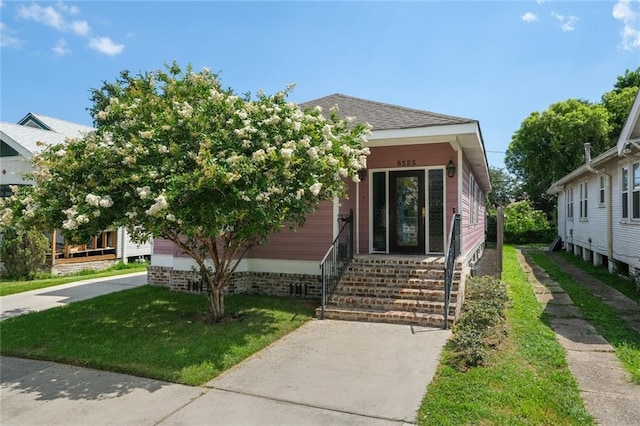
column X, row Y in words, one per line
column 609, row 395
column 326, row 372
column 60, row 295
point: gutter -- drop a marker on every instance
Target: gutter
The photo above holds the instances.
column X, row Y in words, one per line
column 590, row 168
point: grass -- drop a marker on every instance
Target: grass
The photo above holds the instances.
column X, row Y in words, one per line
column 527, row 380
column 152, row 332
column 8, row 287
column 620, row 283
column 624, row 339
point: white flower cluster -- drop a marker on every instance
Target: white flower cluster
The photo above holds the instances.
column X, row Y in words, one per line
column 315, row 188
column 98, row 201
column 159, row 205
column 143, row 192
column 73, row 218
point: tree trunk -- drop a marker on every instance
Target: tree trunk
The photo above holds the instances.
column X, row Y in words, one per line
column 216, row 301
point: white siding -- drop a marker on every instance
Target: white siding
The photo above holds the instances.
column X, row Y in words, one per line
column 562, row 215
column 127, row 248
column 626, row 233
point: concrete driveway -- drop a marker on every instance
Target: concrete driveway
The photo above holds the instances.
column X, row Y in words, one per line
column 326, row 372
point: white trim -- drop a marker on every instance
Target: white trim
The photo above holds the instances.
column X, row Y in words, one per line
column 165, row 260
column 629, row 125
column 357, row 221
column 336, row 212
column 275, row 266
column 416, row 132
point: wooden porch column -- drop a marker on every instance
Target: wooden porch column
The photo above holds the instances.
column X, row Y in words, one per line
column 53, row 247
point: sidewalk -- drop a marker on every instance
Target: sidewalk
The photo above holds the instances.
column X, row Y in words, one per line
column 51, row 297
column 609, row 395
column 326, row 372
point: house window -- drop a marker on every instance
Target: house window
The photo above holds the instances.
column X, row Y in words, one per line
column 570, row 203
column 625, row 192
column 583, row 201
column 601, row 191
column 472, row 199
column 635, row 196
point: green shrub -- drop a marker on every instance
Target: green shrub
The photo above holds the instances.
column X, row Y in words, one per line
column 523, row 224
column 24, row 253
column 481, row 325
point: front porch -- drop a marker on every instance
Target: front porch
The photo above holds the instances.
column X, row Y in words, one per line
column 397, row 289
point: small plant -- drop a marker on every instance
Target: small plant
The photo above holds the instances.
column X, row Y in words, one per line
column 23, row 252
column 481, row 325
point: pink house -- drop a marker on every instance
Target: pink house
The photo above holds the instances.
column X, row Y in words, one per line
column 424, row 171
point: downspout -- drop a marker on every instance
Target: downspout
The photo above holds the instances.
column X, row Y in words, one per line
column 357, row 217
column 590, row 168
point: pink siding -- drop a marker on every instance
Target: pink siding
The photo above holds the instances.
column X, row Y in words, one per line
column 472, row 233
column 307, row 243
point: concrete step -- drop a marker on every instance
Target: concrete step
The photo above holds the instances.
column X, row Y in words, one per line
column 391, row 317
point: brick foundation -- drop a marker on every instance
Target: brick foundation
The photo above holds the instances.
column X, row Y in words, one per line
column 272, row 284
column 70, row 268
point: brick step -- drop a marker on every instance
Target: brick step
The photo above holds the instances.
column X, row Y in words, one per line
column 392, row 292
column 391, row 272
column 406, row 261
column 390, row 317
column 416, row 283
column 389, row 304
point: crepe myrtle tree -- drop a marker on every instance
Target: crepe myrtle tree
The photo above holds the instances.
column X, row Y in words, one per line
column 177, row 156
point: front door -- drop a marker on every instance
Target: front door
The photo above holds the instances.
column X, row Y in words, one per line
column 407, row 211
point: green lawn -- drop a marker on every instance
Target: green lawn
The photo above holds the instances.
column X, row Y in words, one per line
column 526, row 382
column 8, row 287
column 624, row 339
column 152, row 332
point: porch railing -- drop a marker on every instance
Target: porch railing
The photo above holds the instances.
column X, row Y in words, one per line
column 451, row 255
column 337, row 259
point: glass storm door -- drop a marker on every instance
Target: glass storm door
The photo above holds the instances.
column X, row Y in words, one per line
column 407, row 212
column 436, row 211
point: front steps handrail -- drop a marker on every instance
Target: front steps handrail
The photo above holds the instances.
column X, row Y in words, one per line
column 451, row 256
column 335, row 262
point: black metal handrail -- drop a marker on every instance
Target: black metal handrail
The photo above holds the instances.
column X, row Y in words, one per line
column 451, row 256
column 336, row 260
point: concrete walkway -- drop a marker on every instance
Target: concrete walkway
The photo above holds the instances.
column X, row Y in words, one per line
column 60, row 295
column 326, row 372
column 609, row 395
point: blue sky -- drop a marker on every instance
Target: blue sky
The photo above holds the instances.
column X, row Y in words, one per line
column 492, row 61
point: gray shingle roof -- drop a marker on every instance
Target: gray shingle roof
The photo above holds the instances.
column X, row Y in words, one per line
column 383, row 116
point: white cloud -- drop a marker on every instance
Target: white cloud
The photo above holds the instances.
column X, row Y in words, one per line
column 630, row 32
column 7, row 39
column 106, row 45
column 44, row 15
column 60, row 49
column 567, row 23
column 540, row 1
column 529, row 17
column 80, row 27
column 56, row 15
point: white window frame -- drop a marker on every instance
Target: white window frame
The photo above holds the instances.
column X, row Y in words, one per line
column 570, row 203
column 634, row 184
column 584, row 200
column 601, row 191
column 624, row 192
column 472, row 200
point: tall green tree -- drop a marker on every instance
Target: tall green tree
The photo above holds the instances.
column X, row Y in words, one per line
column 618, row 104
column 549, row 145
column 628, row 79
column 177, row 156
column 505, row 188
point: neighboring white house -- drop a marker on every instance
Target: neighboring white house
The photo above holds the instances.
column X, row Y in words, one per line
column 18, row 143
column 599, row 203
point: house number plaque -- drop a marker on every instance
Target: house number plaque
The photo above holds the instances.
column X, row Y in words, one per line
column 406, row 163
